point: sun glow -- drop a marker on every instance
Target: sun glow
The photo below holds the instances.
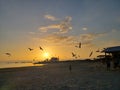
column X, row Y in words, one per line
column 46, row 55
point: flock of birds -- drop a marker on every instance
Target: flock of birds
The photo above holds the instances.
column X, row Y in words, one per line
column 73, row 54
column 79, row 46
column 30, row 49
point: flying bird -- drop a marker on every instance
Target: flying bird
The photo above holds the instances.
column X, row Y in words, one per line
column 73, row 54
column 98, row 50
column 30, row 49
column 91, row 54
column 41, row 48
column 8, row 54
column 79, row 46
column 76, row 46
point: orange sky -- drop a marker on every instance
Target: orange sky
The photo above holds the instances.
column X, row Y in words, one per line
column 57, row 26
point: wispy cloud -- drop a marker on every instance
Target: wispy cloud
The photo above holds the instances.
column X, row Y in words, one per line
column 58, row 39
column 84, row 28
column 88, row 38
column 114, row 30
column 63, row 27
column 32, row 33
column 50, row 17
column 46, row 28
column 61, row 39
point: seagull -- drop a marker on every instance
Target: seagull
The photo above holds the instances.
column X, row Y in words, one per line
column 98, row 50
column 30, row 49
column 76, row 46
column 8, row 54
column 73, row 55
column 91, row 54
column 41, row 48
column 80, row 45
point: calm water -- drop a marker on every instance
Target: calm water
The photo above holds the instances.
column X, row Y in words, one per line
column 12, row 65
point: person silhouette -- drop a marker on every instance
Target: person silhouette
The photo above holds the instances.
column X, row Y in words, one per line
column 70, row 68
column 108, row 62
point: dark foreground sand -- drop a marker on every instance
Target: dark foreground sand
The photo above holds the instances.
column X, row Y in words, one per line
column 84, row 76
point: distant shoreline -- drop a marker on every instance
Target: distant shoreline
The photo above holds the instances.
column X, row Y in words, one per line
column 24, row 65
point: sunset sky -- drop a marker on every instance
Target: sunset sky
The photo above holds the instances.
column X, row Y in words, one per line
column 57, row 26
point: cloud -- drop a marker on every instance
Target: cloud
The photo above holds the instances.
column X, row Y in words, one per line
column 46, row 28
column 91, row 36
column 32, row 33
column 88, row 38
column 84, row 28
column 57, row 39
column 63, row 27
column 50, row 17
column 114, row 30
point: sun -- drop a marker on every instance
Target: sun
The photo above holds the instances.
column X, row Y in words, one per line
column 46, row 55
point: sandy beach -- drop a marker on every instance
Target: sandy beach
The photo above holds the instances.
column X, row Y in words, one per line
column 56, row 76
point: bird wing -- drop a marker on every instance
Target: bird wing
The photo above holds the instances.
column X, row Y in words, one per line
column 41, row 48
column 8, row 54
column 30, row 49
column 80, row 45
column 91, row 54
column 73, row 54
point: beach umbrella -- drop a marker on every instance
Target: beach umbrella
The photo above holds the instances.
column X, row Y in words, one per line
column 8, row 54
column 91, row 54
column 41, row 48
column 30, row 49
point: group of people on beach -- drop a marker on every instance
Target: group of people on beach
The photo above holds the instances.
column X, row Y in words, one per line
column 116, row 61
column 108, row 59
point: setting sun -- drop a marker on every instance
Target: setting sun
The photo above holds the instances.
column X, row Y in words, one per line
column 46, row 55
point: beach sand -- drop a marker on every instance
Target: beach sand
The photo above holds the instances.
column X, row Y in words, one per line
column 56, row 76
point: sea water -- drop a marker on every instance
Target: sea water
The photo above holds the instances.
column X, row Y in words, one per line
column 17, row 64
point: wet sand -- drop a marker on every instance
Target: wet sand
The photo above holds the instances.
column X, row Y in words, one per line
column 56, row 76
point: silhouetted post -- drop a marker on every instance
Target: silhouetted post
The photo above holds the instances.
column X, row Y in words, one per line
column 116, row 61
column 108, row 63
column 70, row 68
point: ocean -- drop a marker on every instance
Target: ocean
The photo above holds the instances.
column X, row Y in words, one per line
column 17, row 64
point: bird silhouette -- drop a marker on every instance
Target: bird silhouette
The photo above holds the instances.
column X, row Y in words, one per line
column 41, row 48
column 79, row 45
column 30, row 49
column 8, row 54
column 73, row 54
column 98, row 50
column 91, row 54
column 76, row 46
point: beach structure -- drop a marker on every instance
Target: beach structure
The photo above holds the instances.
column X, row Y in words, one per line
column 54, row 59
column 112, row 50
